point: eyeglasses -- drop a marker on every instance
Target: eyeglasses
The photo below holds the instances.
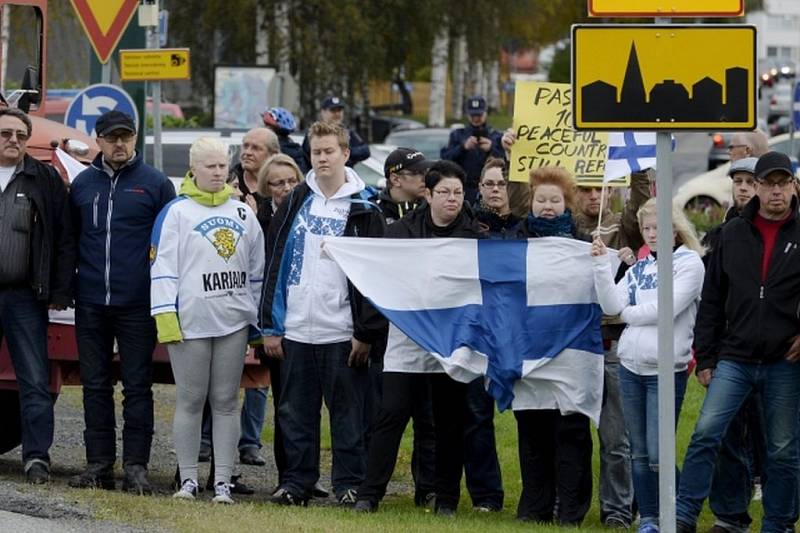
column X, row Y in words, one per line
column 22, row 136
column 732, row 146
column 493, row 184
column 447, row 193
column 782, row 182
column 114, row 137
column 291, row 182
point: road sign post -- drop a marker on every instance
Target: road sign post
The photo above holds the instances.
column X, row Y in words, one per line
column 714, row 90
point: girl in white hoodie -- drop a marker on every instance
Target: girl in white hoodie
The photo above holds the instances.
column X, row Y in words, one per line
column 635, row 299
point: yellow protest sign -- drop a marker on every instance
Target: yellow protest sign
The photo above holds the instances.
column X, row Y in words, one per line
column 545, row 136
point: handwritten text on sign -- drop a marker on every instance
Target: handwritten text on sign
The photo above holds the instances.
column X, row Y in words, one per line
column 543, row 124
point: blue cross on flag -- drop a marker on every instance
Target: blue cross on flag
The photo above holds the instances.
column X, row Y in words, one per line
column 521, row 313
column 630, row 152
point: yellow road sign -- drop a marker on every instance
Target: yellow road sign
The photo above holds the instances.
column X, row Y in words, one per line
column 666, row 8
column 156, row 64
column 664, row 77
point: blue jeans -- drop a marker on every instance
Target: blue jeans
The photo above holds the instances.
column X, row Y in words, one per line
column 732, row 485
column 24, row 323
column 481, row 467
column 96, row 327
column 254, row 410
column 731, row 385
column 309, row 374
column 616, row 486
column 640, row 405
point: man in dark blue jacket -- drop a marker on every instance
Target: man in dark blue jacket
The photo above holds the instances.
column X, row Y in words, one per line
column 472, row 145
column 114, row 205
column 332, row 112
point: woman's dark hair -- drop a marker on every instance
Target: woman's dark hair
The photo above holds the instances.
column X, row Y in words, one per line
column 443, row 169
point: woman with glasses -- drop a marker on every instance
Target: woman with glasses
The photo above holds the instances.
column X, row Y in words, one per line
column 406, row 364
column 555, row 449
column 492, row 209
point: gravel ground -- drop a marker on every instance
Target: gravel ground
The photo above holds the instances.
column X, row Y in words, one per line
column 53, row 502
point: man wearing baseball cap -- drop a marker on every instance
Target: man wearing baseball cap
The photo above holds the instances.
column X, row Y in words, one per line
column 115, row 202
column 404, row 170
column 332, row 112
column 472, row 145
column 746, row 340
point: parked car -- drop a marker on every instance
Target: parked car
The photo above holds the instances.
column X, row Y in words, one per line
column 56, row 108
column 713, row 188
column 718, row 153
column 429, row 141
column 780, row 101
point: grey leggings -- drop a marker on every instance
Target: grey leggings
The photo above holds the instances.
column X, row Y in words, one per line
column 207, row 367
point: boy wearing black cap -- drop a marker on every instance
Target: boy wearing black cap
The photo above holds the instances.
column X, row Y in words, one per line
column 747, row 340
column 472, row 145
column 332, row 112
column 404, row 170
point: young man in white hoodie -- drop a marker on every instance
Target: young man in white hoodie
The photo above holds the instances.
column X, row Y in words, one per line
column 317, row 322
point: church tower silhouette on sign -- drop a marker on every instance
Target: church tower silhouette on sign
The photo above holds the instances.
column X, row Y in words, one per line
column 668, row 101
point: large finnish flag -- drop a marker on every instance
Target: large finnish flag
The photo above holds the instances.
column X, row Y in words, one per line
column 521, row 313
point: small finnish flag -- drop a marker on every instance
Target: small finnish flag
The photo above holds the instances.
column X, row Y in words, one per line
column 630, row 152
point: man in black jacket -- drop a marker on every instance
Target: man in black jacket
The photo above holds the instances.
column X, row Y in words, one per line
column 747, row 339
column 37, row 248
column 317, row 323
column 404, row 170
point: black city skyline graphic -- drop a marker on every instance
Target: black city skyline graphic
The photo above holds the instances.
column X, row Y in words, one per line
column 669, row 101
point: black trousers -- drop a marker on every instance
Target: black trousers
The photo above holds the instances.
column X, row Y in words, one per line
column 274, row 366
column 449, row 420
column 404, row 396
column 555, row 456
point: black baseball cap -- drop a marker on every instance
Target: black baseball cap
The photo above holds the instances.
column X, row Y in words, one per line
column 113, row 121
column 406, row 159
column 773, row 162
column 332, row 102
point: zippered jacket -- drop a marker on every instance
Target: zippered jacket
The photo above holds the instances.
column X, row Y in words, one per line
column 741, row 318
column 297, row 271
column 635, row 299
column 113, row 213
column 207, row 263
column 53, row 251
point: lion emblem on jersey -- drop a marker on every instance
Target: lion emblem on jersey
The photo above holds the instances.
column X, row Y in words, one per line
column 225, row 243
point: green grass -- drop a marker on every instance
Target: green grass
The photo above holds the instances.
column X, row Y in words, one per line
column 397, row 513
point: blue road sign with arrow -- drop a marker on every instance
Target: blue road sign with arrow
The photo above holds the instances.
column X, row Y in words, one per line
column 93, row 101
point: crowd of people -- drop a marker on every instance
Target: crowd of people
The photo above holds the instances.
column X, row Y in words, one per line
column 234, row 260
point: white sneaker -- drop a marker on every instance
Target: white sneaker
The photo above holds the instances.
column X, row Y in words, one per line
column 188, row 490
column 222, row 493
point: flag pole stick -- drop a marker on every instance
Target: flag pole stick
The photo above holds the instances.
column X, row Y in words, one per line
column 602, row 208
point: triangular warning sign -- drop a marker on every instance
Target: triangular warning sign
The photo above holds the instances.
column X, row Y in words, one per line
column 104, row 22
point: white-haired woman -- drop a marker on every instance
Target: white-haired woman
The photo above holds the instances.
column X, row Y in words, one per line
column 635, row 299
column 207, row 261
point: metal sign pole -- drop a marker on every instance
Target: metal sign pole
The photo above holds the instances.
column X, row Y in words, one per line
column 666, row 341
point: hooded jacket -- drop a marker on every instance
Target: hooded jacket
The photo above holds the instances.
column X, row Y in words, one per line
column 207, row 262
column 635, row 299
column 113, row 214
column 307, row 297
column 742, row 318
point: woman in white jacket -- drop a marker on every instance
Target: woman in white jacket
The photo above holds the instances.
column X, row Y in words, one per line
column 635, row 298
column 207, row 265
